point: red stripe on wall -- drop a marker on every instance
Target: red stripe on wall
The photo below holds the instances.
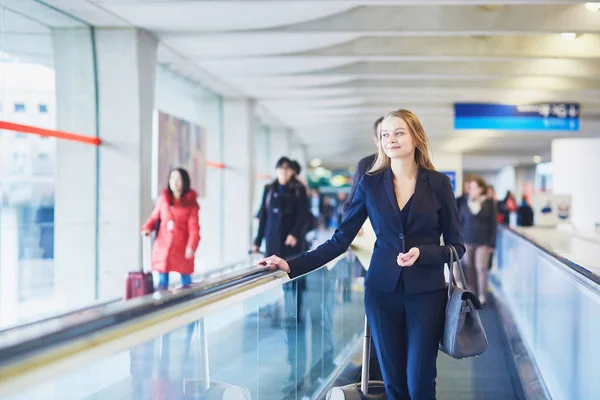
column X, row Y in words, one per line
column 213, row 164
column 265, row 177
column 62, row 135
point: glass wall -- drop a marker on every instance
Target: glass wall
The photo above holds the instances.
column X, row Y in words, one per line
column 557, row 311
column 35, row 41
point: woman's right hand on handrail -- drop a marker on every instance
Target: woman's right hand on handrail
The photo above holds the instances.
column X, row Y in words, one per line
column 275, row 262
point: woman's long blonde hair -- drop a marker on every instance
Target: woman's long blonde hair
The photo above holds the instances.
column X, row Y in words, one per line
column 419, row 138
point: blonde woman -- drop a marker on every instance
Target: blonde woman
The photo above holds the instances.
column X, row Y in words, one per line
column 410, row 206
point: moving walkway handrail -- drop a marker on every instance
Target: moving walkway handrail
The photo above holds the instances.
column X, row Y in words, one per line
column 37, row 352
column 33, row 338
column 578, row 268
column 96, row 308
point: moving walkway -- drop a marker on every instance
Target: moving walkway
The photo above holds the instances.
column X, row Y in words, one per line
column 253, row 333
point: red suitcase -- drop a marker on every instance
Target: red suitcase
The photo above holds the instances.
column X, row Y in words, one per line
column 140, row 283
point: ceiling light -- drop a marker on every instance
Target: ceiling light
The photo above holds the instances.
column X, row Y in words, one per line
column 317, row 162
column 593, row 7
column 537, row 159
column 569, row 36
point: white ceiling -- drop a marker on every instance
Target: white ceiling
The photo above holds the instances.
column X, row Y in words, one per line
column 328, row 68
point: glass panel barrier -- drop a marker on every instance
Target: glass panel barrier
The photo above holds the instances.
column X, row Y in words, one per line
column 46, row 85
column 40, row 259
column 283, row 343
column 557, row 311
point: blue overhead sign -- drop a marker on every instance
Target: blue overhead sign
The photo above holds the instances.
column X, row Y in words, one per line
column 538, row 117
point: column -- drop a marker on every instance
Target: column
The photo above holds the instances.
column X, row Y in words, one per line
column 298, row 152
column 126, row 65
column 279, row 145
column 75, row 189
column 575, row 166
column 450, row 164
column 212, row 212
column 263, row 171
column 238, row 177
column 506, row 180
column 111, row 246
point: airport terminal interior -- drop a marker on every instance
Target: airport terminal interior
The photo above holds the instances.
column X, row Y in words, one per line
column 163, row 163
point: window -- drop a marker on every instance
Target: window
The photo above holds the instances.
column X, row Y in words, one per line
column 43, row 108
column 19, row 107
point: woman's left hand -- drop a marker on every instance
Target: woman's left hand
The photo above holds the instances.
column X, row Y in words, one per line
column 189, row 253
column 408, row 259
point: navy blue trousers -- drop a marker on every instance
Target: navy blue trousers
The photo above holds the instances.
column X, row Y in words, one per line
column 406, row 330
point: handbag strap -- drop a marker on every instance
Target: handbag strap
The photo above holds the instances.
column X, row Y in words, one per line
column 454, row 259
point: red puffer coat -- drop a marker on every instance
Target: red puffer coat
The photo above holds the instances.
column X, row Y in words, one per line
column 168, row 254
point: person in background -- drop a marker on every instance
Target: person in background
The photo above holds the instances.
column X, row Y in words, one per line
column 342, row 198
column 282, row 213
column 491, row 194
column 479, row 225
column 297, row 169
column 300, row 189
column 509, row 206
column 314, row 207
column 327, row 211
column 178, row 233
column 525, row 214
column 317, row 305
column 364, row 164
column 462, row 199
column 282, row 219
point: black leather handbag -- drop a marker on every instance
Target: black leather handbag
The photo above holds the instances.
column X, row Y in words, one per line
column 464, row 335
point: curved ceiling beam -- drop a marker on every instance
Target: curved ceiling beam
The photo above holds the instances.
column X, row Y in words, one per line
column 541, row 67
column 253, row 44
column 529, row 47
column 309, row 94
column 269, row 66
column 425, row 82
column 186, row 16
column 453, row 20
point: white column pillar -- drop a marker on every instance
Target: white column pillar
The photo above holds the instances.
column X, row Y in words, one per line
column 238, row 139
column 279, row 145
column 102, row 195
column 450, row 163
column 575, row 166
column 506, row 180
column 75, row 234
column 212, row 211
column 298, row 152
column 126, row 60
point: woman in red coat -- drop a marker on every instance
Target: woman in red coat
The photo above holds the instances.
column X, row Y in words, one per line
column 179, row 231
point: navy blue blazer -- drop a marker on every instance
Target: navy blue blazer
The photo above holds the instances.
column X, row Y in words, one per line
column 433, row 213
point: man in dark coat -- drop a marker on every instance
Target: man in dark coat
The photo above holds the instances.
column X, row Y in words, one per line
column 282, row 225
column 282, row 214
column 364, row 164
